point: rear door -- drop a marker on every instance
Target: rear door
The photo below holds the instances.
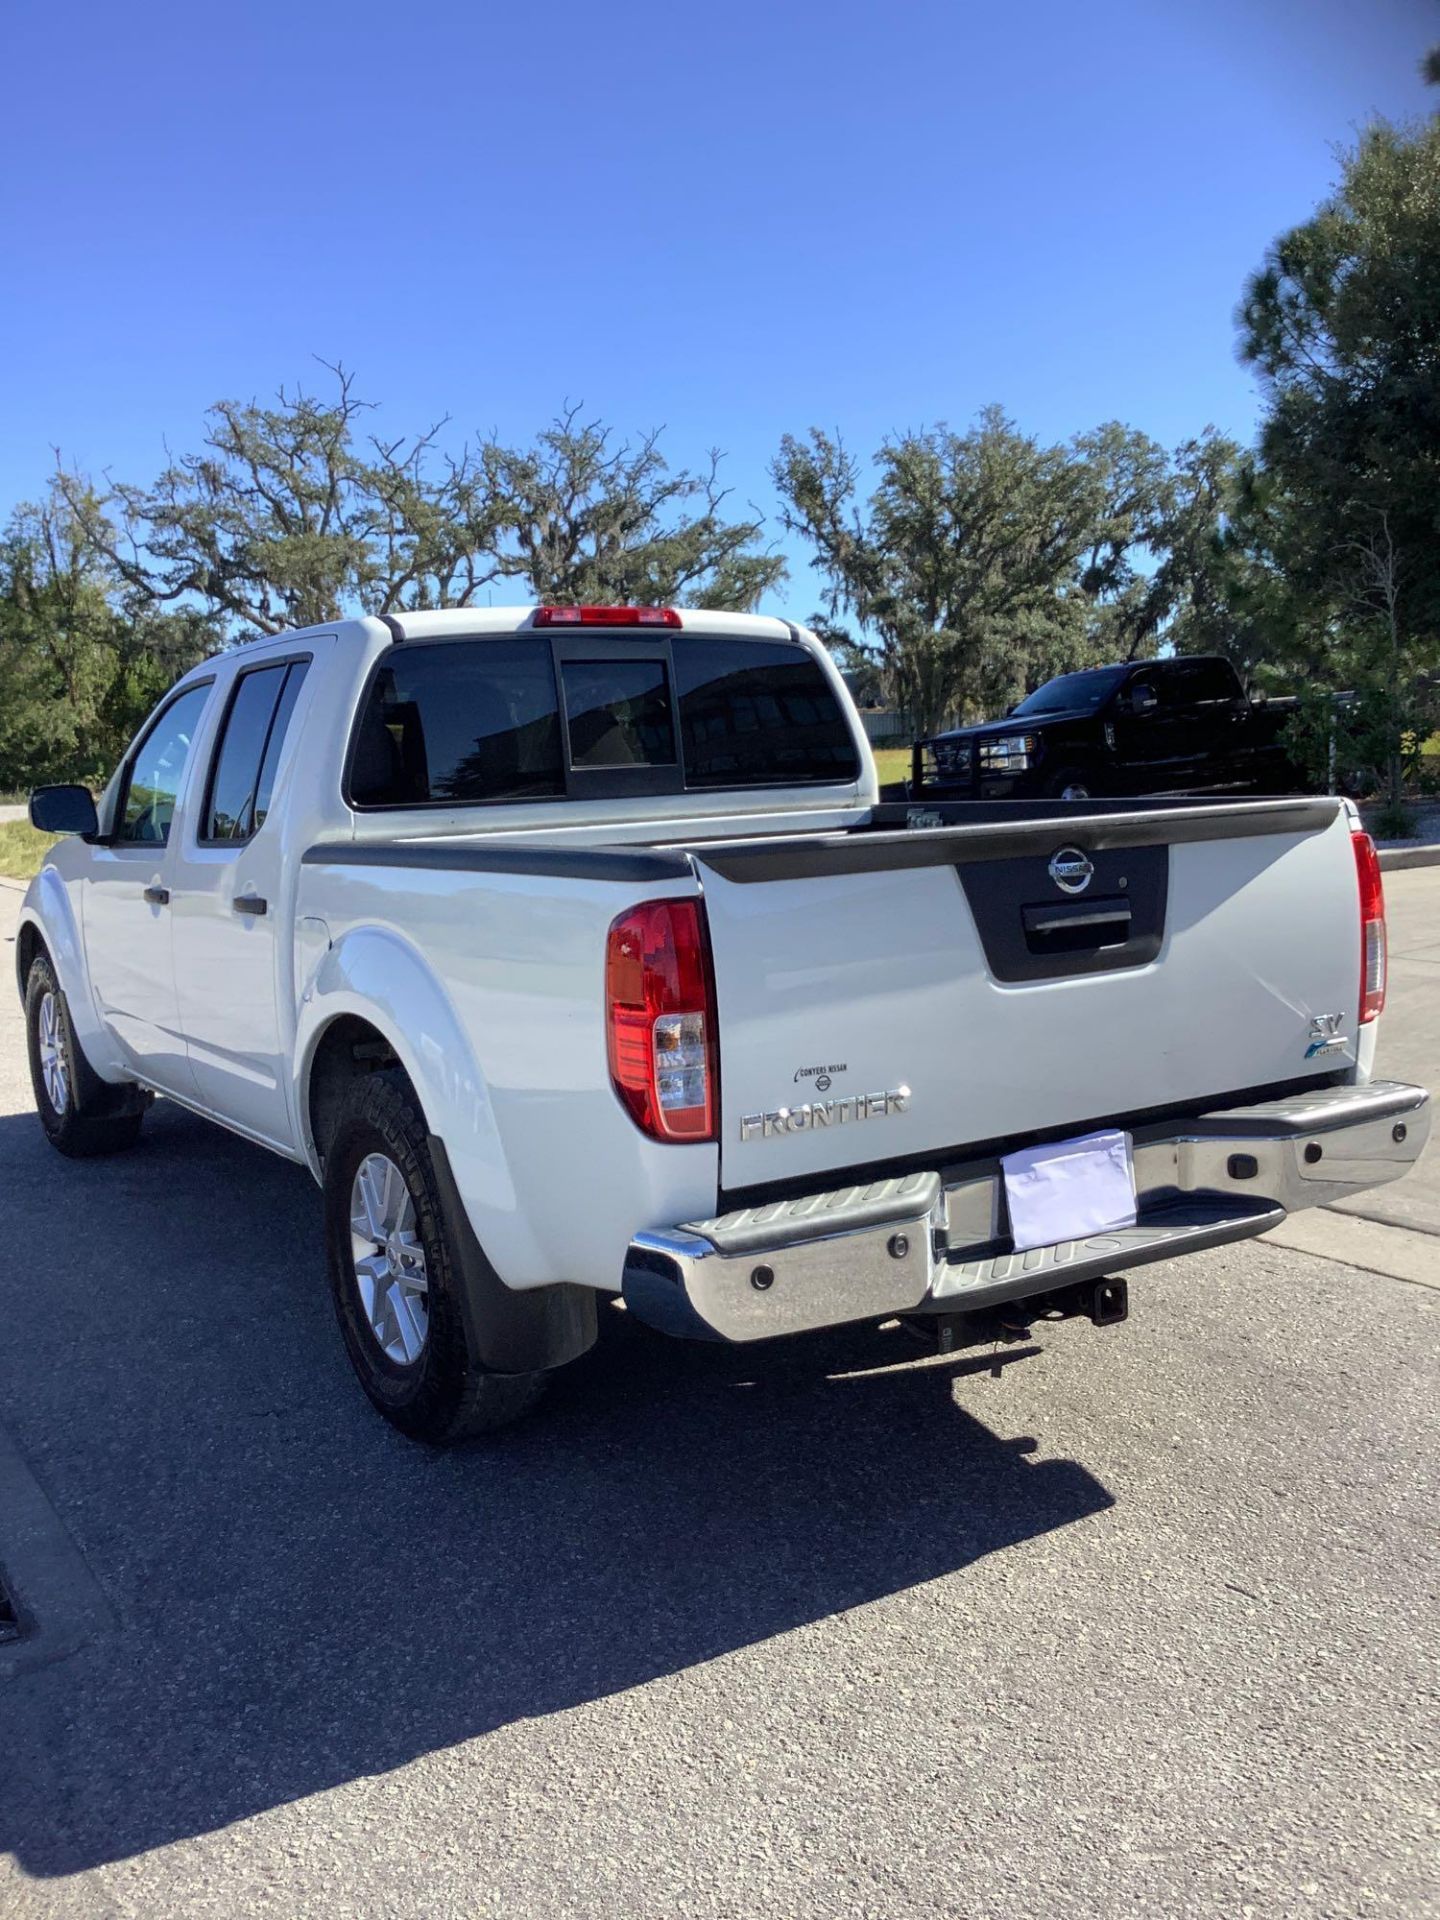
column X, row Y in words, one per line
column 228, row 914
column 898, row 995
column 1206, row 695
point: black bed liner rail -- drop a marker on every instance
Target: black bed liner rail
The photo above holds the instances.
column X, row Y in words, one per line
column 938, row 835
column 895, row 836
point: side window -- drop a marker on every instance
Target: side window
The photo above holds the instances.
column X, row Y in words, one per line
column 279, row 727
column 1210, row 680
column 243, row 775
column 157, row 770
column 1192, row 683
column 237, row 760
column 1177, row 688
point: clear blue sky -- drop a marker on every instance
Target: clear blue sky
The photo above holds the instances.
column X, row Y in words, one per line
column 734, row 221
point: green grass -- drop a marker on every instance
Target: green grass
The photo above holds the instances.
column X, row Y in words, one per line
column 22, row 849
column 892, row 763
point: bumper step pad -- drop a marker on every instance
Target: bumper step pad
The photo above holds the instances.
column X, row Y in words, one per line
column 780, row 1223
column 1160, row 1236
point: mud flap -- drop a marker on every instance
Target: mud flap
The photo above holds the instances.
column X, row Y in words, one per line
column 512, row 1331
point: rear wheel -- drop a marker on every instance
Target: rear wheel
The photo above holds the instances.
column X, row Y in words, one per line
column 81, row 1114
column 395, row 1275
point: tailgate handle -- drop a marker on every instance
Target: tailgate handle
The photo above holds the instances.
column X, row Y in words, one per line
column 1100, row 916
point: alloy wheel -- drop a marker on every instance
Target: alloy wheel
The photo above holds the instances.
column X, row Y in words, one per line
column 389, row 1260
column 54, row 1067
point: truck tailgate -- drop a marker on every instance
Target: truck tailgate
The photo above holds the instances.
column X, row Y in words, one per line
column 890, row 995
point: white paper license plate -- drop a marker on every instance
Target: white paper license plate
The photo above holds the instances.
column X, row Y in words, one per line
column 1069, row 1189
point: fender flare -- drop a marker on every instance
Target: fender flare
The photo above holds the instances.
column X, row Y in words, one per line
column 382, row 979
column 48, row 911
column 376, row 975
column 46, row 907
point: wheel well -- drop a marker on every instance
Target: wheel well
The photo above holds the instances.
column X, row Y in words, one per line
column 27, row 948
column 349, row 1049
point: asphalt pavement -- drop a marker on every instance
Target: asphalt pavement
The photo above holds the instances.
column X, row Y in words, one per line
column 1132, row 1621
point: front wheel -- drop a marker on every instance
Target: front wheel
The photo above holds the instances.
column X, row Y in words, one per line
column 80, row 1113
column 1070, row 783
column 395, row 1275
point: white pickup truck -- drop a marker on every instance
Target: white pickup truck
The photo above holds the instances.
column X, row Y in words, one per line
column 575, row 954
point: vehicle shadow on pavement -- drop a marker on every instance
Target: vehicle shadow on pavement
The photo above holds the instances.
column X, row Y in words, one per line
column 302, row 1597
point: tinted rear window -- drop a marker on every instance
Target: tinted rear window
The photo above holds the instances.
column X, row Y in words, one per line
column 475, row 720
column 756, row 713
column 468, row 721
column 618, row 713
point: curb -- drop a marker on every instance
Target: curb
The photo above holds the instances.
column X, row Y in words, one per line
column 1396, row 858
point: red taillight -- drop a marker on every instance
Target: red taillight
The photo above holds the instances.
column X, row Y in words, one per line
column 606, row 617
column 1372, row 928
column 660, row 1015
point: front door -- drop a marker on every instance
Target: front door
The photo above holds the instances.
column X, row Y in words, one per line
column 228, row 913
column 1154, row 738
column 127, row 919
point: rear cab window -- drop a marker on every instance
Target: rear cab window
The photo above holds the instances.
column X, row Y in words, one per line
column 618, row 713
column 531, row 716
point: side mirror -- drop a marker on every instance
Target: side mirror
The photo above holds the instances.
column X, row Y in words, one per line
column 1141, row 698
column 64, row 810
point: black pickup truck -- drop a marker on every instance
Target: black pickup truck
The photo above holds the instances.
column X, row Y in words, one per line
column 1185, row 725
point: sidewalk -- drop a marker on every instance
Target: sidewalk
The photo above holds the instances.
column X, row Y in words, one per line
column 1422, row 851
column 1395, row 1230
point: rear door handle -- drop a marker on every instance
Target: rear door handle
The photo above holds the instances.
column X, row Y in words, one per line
column 249, row 903
column 158, row 896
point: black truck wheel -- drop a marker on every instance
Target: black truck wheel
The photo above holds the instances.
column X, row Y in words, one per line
column 1070, row 783
column 395, row 1275
column 82, row 1115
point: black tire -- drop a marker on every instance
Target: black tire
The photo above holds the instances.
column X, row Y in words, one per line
column 1076, row 777
column 446, row 1393
column 91, row 1117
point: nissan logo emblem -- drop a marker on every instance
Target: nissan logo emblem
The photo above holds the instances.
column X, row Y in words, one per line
column 1071, row 870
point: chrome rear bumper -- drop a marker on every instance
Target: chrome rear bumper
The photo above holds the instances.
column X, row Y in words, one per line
column 933, row 1240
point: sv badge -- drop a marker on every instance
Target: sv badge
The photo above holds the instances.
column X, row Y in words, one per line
column 1326, row 1036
